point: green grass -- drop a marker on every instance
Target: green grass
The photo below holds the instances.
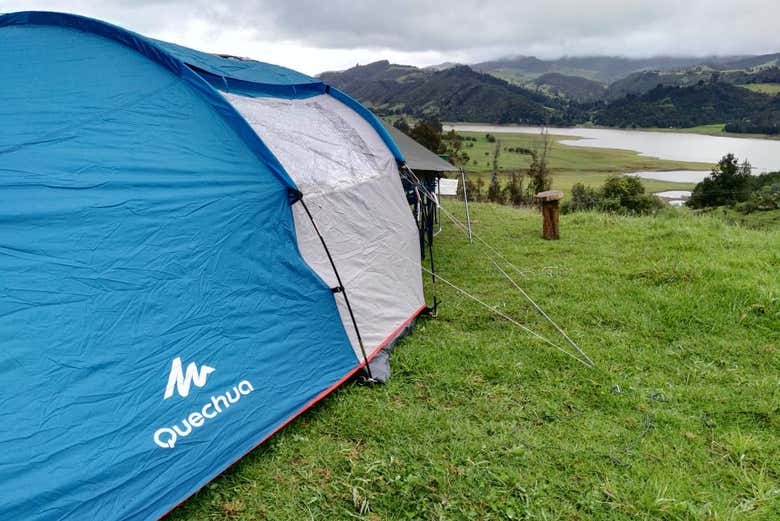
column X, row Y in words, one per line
column 570, row 164
column 766, row 220
column 764, row 88
column 681, row 420
column 716, row 129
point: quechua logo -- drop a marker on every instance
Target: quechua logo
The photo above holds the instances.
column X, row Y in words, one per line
column 181, row 380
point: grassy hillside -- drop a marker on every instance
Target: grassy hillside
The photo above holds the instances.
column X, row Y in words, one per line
column 680, row 420
column 644, row 81
column 570, row 87
column 766, row 220
column 764, row 88
column 717, row 129
column 605, row 69
column 457, row 94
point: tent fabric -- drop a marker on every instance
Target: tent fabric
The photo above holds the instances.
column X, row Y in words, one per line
column 351, row 183
column 322, row 144
column 161, row 311
column 416, row 156
column 376, row 250
column 237, row 68
column 254, row 76
column 374, row 121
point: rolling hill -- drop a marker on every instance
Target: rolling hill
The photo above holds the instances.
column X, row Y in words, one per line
column 456, row 93
column 604, row 69
column 679, row 107
column 641, row 82
column 571, row 87
column 686, row 97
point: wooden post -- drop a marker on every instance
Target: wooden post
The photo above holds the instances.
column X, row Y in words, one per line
column 550, row 208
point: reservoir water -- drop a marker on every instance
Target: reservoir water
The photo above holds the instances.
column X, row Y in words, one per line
column 763, row 154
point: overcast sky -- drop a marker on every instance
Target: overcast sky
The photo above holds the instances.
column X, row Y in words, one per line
column 317, row 35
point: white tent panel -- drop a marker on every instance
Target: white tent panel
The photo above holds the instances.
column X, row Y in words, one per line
column 351, row 185
column 377, row 254
column 323, row 144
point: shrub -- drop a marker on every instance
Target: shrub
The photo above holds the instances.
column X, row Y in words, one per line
column 767, row 198
column 746, row 207
column 478, row 190
column 619, row 194
column 582, row 198
column 729, row 183
column 626, row 194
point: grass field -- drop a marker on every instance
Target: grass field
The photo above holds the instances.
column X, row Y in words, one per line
column 766, row 220
column 680, row 420
column 716, row 129
column 764, row 88
column 570, row 164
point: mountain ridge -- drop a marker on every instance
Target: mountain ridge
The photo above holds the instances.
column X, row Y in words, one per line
column 455, row 93
column 704, row 94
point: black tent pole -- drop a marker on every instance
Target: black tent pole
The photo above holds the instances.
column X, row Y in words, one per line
column 431, row 217
column 341, row 288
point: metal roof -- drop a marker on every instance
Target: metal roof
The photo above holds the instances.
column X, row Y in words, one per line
column 417, row 156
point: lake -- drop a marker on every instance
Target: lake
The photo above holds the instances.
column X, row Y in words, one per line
column 763, row 154
column 675, row 197
column 675, row 176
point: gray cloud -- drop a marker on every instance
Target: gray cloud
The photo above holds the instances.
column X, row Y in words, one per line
column 553, row 27
column 459, row 30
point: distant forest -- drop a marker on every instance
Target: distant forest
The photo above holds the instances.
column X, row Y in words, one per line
column 701, row 104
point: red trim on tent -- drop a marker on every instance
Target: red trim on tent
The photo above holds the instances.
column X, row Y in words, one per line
column 395, row 333
column 308, row 406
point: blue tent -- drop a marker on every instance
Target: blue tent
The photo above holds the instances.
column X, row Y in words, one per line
column 162, row 307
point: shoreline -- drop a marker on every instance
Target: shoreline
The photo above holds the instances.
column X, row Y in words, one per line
column 703, row 130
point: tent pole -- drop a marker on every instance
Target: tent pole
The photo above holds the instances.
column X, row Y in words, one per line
column 430, row 236
column 438, row 203
column 424, row 232
column 341, row 288
column 466, row 202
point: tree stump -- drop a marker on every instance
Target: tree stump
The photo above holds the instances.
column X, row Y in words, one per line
column 550, row 201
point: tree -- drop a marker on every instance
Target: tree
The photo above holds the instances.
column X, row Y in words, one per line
column 428, row 134
column 513, row 191
column 729, row 183
column 402, row 125
column 495, row 195
column 453, row 144
column 540, row 179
